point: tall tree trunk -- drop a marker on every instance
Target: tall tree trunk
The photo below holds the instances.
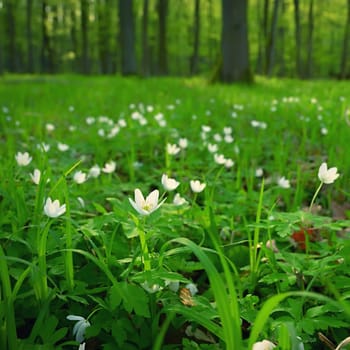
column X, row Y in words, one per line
column 196, row 32
column 46, row 46
column 162, row 35
column 145, row 44
column 281, row 41
column 127, row 37
column 29, row 33
column 309, row 63
column 85, row 60
column 272, row 39
column 104, row 23
column 74, row 38
column 234, row 42
column 345, row 52
column 297, row 31
column 10, row 36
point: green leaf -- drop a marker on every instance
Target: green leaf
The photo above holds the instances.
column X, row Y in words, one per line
column 135, row 299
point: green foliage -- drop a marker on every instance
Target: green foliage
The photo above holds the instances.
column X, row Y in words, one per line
column 234, row 241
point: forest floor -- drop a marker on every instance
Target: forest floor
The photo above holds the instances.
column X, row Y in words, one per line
column 166, row 213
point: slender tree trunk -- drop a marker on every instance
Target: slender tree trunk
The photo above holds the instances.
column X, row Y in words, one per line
column 103, row 10
column 10, row 37
column 127, row 37
column 85, row 59
column 196, row 32
column 145, row 44
column 281, row 42
column 74, row 38
column 259, row 58
column 272, row 39
column 46, row 48
column 162, row 37
column 345, row 52
column 29, row 33
column 297, row 31
column 234, row 42
column 310, row 40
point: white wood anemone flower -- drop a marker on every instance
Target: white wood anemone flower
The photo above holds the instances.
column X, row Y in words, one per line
column 168, row 183
column 327, row 176
column 197, row 186
column 146, row 206
column 264, row 345
column 79, row 327
column 23, row 159
column 53, row 209
column 36, row 176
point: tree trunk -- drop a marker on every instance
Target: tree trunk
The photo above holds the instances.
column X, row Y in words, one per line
column 127, row 37
column 234, row 42
column 85, row 60
column 47, row 54
column 29, row 33
column 310, row 40
column 196, row 32
column 10, row 37
column 74, row 38
column 104, row 23
column 145, row 44
column 297, row 32
column 162, row 37
column 345, row 52
column 272, row 40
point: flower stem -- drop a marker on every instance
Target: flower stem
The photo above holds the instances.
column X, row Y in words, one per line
column 144, row 250
column 314, row 197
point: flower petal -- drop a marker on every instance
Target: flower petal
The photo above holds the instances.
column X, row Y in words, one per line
column 152, row 198
column 139, row 199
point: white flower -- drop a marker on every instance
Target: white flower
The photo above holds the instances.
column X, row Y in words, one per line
column 50, row 127
column 36, row 176
column 324, row 131
column 172, row 149
column 228, row 138
column 263, row 345
column 79, row 327
column 168, row 183
column 192, row 288
column 206, row 128
column 95, row 171
column 178, row 200
column 151, row 288
column 79, row 177
column 327, row 176
column 283, row 182
column 219, row 159
column 62, row 147
column 183, row 143
column 259, row 172
column 122, row 123
column 229, row 163
column 23, row 159
column 82, row 346
column 53, row 209
column 90, row 120
column 146, row 206
column 196, row 186
column 212, row 147
column 44, row 147
column 109, row 167
column 217, row 137
column 227, row 130
column 174, row 286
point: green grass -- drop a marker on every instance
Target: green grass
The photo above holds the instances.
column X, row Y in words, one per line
column 101, row 261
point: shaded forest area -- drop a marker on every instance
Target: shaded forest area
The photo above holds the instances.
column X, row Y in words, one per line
column 229, row 39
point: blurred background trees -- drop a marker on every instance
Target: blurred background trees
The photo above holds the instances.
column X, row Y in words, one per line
column 234, row 38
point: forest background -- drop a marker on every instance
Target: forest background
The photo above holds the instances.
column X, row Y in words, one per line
column 225, row 40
